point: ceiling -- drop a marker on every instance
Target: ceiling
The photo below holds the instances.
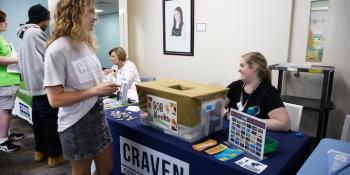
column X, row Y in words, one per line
column 108, row 6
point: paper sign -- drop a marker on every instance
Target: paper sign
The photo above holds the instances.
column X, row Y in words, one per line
column 163, row 113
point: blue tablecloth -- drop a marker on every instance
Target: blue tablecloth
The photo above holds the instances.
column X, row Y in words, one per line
column 292, row 151
column 317, row 163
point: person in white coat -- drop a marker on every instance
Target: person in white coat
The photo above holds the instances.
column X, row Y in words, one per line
column 124, row 71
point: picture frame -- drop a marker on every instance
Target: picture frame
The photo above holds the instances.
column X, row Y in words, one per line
column 178, row 27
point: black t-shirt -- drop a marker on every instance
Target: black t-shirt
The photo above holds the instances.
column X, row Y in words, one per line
column 266, row 97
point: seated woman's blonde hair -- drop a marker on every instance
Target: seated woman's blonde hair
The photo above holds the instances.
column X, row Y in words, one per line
column 258, row 61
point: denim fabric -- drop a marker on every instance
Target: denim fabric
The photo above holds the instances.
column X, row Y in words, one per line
column 88, row 137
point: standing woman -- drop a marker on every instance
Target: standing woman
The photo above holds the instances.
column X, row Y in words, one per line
column 255, row 92
column 8, row 87
column 73, row 79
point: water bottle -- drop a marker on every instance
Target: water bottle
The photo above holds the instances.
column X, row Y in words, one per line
column 124, row 92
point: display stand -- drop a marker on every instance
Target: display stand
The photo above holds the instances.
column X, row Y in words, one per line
column 322, row 105
column 23, row 104
column 247, row 133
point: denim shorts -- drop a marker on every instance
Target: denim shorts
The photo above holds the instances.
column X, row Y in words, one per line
column 88, row 137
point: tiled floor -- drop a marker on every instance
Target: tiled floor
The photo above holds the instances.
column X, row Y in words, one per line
column 21, row 162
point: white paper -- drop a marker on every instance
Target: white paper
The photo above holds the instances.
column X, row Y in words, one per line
column 251, row 165
column 242, row 161
column 133, row 108
column 292, row 66
column 110, row 103
column 13, row 68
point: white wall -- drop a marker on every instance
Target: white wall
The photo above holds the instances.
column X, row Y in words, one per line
column 233, row 28
column 336, row 53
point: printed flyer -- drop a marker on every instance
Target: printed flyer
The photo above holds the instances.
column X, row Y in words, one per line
column 163, row 112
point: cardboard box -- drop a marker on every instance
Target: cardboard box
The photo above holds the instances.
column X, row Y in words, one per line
column 188, row 96
column 187, row 110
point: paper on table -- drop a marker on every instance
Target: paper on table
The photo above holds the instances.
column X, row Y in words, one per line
column 337, row 161
column 251, row 165
column 110, row 103
column 133, row 108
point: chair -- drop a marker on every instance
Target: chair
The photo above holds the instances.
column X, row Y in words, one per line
column 345, row 134
column 147, row 78
column 294, row 111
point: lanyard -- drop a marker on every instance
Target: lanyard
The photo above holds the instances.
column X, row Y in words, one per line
column 239, row 104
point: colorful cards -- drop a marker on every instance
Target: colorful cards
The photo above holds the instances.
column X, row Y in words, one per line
column 228, row 154
column 204, row 145
column 247, row 133
column 216, row 149
column 223, row 153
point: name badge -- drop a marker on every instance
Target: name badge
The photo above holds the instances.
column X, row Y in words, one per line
column 240, row 106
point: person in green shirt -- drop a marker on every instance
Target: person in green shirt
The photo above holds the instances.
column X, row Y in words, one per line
column 8, row 87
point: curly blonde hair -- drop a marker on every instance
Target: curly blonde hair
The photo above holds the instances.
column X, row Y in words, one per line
column 69, row 20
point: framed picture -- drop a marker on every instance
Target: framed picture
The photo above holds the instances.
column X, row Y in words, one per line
column 178, row 25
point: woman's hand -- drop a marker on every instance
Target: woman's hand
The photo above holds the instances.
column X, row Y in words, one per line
column 106, row 88
column 59, row 98
column 226, row 102
column 107, row 71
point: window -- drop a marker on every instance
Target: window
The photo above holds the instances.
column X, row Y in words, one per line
column 317, row 26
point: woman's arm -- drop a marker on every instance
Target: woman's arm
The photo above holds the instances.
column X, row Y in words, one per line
column 278, row 120
column 58, row 97
column 130, row 72
column 8, row 60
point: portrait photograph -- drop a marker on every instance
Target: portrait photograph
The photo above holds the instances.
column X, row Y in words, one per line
column 178, row 27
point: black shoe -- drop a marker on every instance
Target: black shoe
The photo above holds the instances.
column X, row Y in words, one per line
column 8, row 147
column 15, row 136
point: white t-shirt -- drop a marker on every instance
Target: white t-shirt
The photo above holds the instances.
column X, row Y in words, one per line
column 130, row 74
column 75, row 70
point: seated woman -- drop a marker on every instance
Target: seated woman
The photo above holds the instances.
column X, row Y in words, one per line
column 125, row 71
column 255, row 91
